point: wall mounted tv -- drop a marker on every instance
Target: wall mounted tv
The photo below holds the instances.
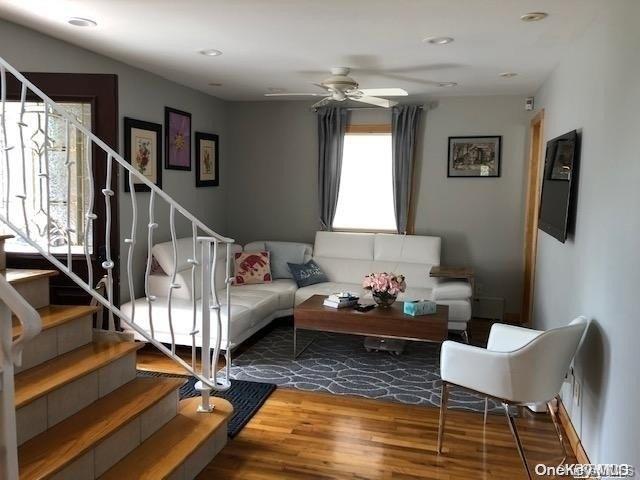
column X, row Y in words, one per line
column 559, row 184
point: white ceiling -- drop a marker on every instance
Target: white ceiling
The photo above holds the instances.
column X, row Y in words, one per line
column 289, row 43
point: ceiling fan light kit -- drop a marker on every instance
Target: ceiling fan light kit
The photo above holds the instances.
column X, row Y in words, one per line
column 339, row 87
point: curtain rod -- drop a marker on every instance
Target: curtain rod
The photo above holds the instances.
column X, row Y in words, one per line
column 422, row 107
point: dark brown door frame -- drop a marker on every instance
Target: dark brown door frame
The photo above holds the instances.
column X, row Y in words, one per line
column 101, row 91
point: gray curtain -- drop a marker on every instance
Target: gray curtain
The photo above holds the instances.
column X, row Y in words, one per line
column 405, row 120
column 332, row 124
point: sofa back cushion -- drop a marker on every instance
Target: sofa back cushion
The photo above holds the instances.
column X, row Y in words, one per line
column 163, row 255
column 348, row 257
column 281, row 254
column 409, row 255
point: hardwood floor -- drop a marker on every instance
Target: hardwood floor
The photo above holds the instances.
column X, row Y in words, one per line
column 317, row 436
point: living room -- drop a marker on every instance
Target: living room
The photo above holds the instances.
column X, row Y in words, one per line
column 336, row 138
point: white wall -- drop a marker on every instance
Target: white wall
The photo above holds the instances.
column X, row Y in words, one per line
column 274, row 176
column 143, row 96
column 597, row 272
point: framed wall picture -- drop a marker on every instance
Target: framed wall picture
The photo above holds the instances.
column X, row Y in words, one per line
column 207, row 160
column 177, row 132
column 474, row 156
column 143, row 150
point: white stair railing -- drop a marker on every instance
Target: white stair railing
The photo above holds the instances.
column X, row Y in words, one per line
column 14, row 214
column 10, row 355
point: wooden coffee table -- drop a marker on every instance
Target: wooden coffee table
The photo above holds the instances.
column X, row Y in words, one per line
column 379, row 322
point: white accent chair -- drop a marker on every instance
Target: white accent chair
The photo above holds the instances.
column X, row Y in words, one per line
column 520, row 366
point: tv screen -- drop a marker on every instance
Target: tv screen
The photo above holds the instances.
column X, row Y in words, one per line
column 560, row 168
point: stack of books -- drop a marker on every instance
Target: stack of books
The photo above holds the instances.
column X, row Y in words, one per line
column 341, row 300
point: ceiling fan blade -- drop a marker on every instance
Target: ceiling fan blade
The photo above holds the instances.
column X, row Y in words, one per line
column 321, row 103
column 296, row 94
column 380, row 102
column 384, row 92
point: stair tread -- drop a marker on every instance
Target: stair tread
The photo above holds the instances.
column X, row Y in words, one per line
column 35, row 382
column 20, row 275
column 164, row 451
column 56, row 315
column 61, row 444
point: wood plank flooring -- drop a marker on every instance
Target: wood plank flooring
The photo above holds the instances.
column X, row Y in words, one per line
column 317, row 436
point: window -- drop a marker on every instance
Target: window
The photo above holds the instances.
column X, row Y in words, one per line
column 365, row 198
column 78, row 196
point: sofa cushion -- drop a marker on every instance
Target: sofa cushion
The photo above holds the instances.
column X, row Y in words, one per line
column 352, row 246
column 252, row 267
column 283, row 253
column 307, row 273
column 283, row 289
column 163, row 254
column 261, row 303
column 452, row 290
column 242, row 319
column 407, row 248
column 327, row 288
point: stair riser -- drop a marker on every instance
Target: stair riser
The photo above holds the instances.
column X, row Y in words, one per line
column 57, row 341
column 107, row 453
column 199, row 459
column 43, row 413
column 35, row 291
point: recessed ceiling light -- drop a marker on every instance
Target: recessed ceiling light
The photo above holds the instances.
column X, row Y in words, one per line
column 214, row 84
column 210, row 52
column 438, row 40
column 447, row 84
column 82, row 22
column 508, row 74
column 534, row 16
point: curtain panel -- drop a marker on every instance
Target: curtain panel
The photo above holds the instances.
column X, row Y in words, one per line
column 332, row 124
column 405, row 122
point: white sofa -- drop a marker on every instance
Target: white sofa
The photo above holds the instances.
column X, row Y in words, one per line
column 345, row 257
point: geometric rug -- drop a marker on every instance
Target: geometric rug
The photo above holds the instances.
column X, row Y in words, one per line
column 246, row 397
column 339, row 364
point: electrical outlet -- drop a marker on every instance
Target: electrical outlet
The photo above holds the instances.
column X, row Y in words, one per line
column 577, row 391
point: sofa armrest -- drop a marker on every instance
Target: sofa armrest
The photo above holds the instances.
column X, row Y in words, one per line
column 507, row 338
column 452, row 290
column 476, row 368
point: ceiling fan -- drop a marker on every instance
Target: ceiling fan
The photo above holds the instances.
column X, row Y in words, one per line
column 340, row 87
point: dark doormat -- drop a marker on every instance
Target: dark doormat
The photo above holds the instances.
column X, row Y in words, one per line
column 246, row 397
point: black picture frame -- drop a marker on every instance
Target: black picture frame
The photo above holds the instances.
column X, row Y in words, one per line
column 210, row 137
column 496, row 139
column 156, row 129
column 169, row 162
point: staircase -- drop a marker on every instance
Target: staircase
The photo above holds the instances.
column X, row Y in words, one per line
column 82, row 413
column 71, row 403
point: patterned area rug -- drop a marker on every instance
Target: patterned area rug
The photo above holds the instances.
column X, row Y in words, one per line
column 246, row 397
column 339, row 364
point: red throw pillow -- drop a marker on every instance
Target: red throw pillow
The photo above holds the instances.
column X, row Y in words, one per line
column 252, row 267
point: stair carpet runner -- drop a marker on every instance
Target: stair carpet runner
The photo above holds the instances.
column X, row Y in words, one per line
column 82, row 413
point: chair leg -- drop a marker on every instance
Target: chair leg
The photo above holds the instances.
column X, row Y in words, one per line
column 516, row 437
column 444, row 399
column 465, row 336
column 486, row 409
column 556, row 424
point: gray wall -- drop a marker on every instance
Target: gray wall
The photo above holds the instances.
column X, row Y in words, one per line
column 596, row 273
column 143, row 96
column 274, row 177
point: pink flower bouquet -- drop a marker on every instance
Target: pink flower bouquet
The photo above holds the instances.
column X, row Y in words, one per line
column 384, row 287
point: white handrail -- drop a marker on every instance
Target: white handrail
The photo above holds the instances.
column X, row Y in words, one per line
column 27, row 316
column 207, row 380
column 10, row 355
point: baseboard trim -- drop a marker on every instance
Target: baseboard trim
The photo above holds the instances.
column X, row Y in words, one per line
column 572, row 435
